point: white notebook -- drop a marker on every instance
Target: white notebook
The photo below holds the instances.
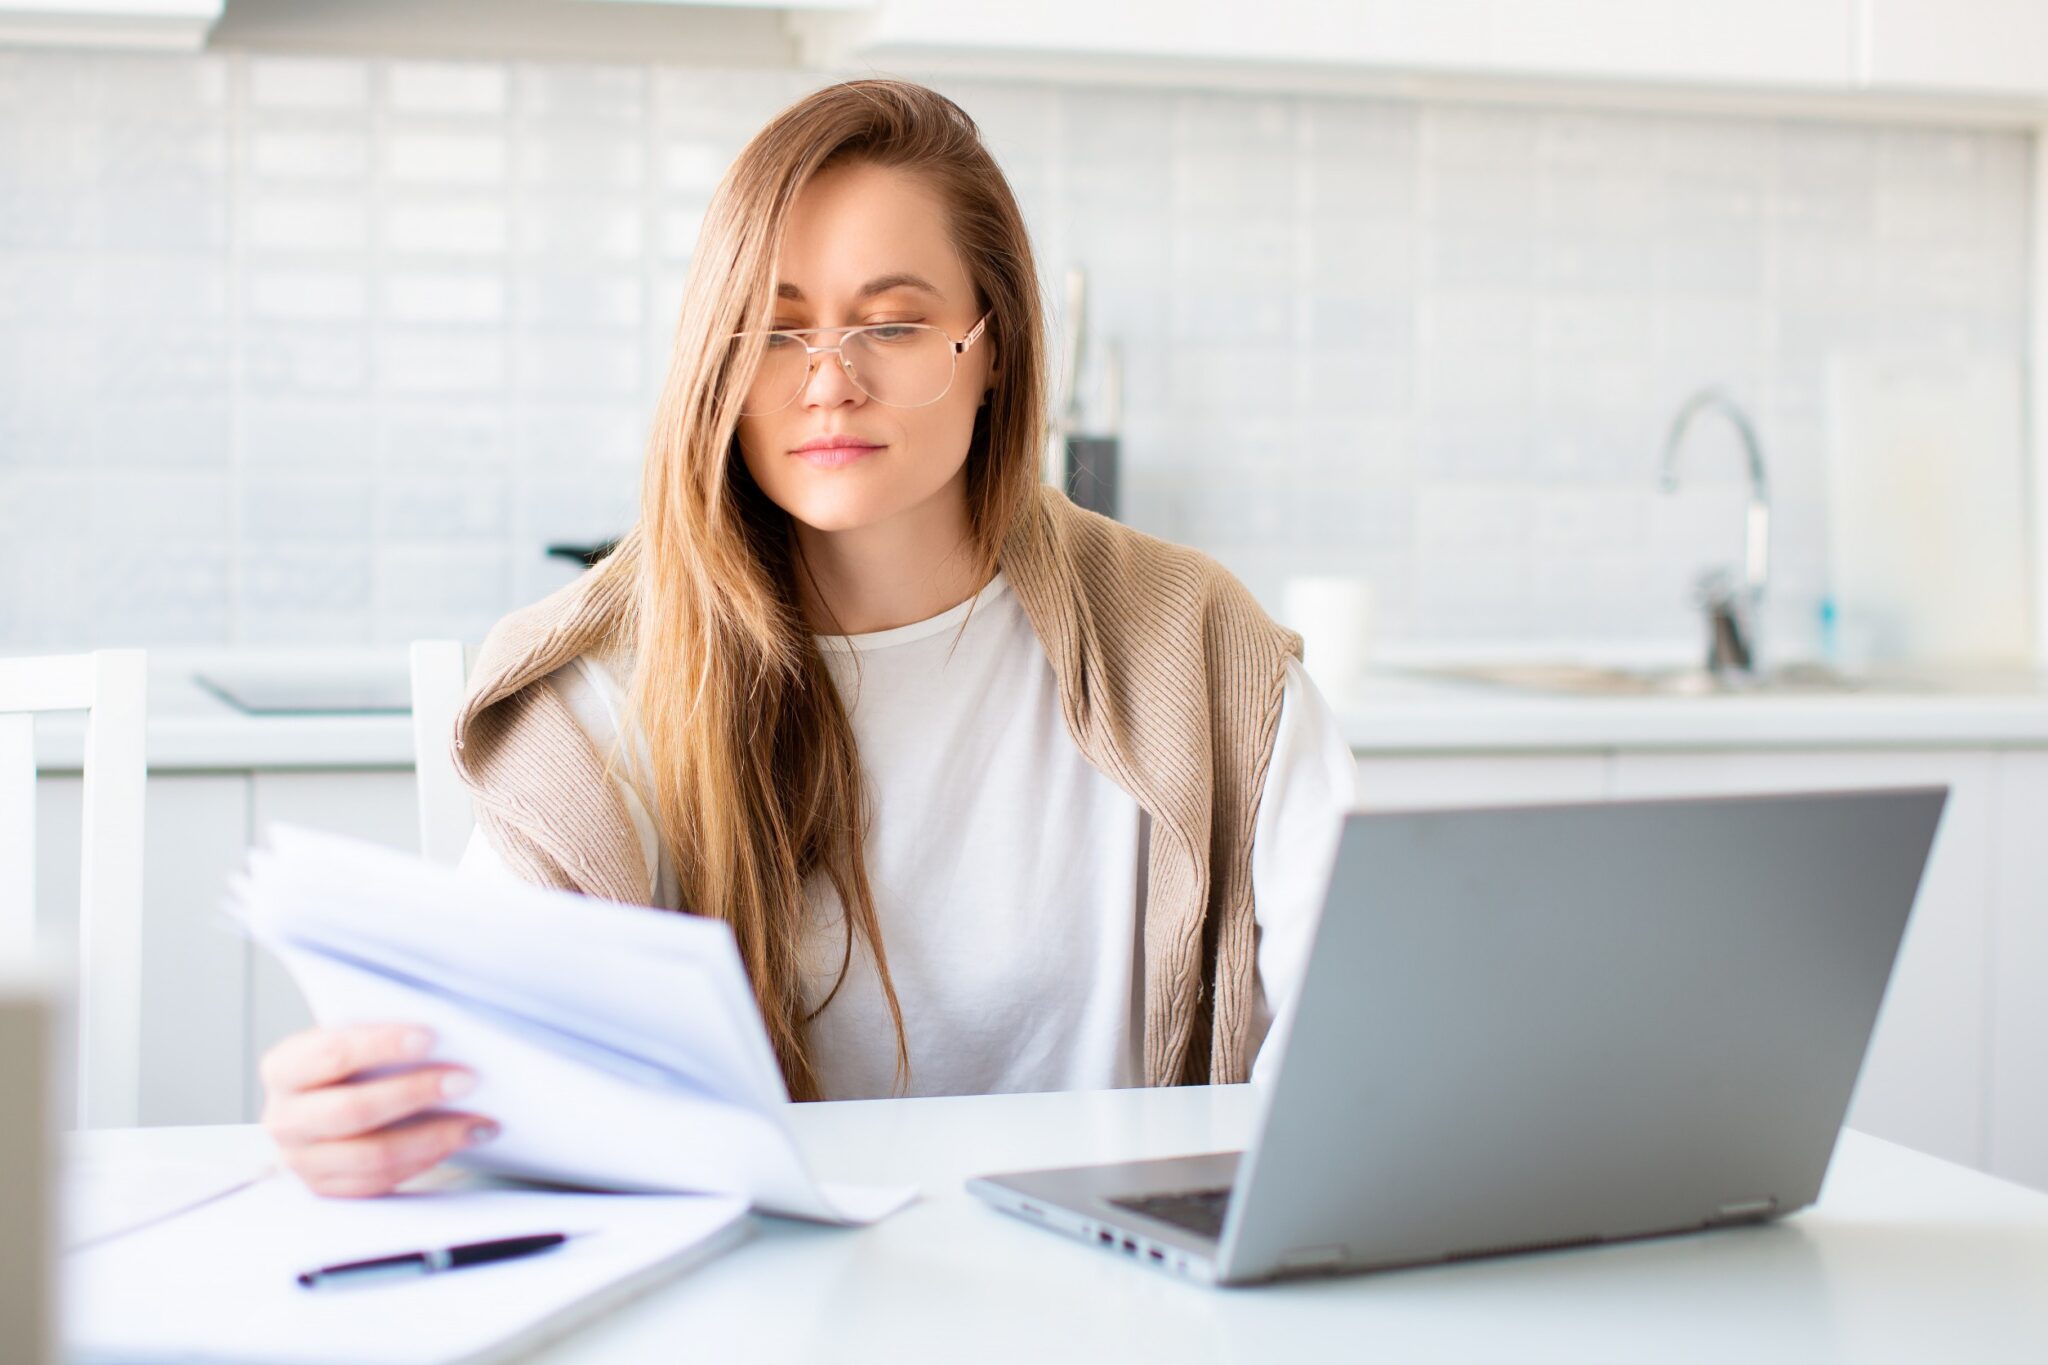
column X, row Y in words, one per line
column 218, row 1282
column 617, row 1046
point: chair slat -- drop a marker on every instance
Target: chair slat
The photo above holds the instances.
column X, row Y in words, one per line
column 59, row 682
column 110, row 927
column 111, row 686
column 440, row 679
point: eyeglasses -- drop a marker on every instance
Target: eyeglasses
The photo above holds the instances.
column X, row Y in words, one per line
column 901, row 364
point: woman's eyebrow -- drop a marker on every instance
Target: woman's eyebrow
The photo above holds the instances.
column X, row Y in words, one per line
column 880, row 284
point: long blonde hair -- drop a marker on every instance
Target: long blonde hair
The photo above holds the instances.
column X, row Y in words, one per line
column 752, row 776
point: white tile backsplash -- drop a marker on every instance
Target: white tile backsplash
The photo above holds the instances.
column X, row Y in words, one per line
column 467, row 227
column 307, row 223
column 301, row 83
column 324, row 350
column 418, row 362
column 446, row 159
column 466, row 296
column 297, row 508
column 308, row 295
column 446, row 87
column 308, row 154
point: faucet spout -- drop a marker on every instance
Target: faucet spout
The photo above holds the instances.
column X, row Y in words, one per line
column 1756, row 538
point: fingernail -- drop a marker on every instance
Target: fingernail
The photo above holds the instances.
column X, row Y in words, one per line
column 482, row 1132
column 456, row 1084
column 416, row 1042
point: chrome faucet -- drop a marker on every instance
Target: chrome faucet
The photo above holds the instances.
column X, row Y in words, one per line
column 1731, row 613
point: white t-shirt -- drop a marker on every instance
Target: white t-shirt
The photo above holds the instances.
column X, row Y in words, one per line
column 1008, row 873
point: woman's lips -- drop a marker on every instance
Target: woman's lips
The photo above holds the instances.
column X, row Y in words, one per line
column 832, row 457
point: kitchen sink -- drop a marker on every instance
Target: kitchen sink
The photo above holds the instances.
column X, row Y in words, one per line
column 1594, row 680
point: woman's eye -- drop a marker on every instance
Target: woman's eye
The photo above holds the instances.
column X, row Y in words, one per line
column 893, row 332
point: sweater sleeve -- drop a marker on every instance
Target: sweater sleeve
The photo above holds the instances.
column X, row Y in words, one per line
column 593, row 698
column 1311, row 782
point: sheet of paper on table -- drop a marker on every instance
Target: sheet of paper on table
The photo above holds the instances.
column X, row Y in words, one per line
column 105, row 1196
column 218, row 1282
column 618, row 1047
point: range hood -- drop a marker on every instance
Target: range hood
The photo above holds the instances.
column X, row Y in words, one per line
column 157, row 25
column 734, row 32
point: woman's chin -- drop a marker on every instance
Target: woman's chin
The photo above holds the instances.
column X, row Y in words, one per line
column 841, row 509
column 864, row 494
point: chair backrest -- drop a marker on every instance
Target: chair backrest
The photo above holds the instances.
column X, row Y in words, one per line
column 111, row 687
column 440, row 677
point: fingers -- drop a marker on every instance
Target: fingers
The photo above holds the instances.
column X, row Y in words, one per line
column 296, row 1118
column 377, row 1163
column 322, row 1056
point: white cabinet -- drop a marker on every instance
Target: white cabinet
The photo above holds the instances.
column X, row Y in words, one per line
column 1842, row 48
column 378, row 806
column 1988, row 47
column 1958, row 1064
column 194, row 962
column 2017, row 1114
column 1798, row 43
column 1784, row 43
column 1432, row 781
column 211, row 1002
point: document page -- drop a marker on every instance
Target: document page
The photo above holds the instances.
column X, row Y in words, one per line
column 618, row 1047
column 219, row 1282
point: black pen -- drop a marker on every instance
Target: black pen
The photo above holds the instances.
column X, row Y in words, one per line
column 431, row 1262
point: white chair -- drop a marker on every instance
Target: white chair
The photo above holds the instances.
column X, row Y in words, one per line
column 111, row 687
column 440, row 678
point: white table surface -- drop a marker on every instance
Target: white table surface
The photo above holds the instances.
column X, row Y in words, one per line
column 1905, row 1258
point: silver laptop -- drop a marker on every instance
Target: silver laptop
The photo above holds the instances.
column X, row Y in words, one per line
column 1537, row 1027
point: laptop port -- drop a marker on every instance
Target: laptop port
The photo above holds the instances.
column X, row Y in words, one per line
column 1156, row 1254
column 1106, row 1237
column 1130, row 1247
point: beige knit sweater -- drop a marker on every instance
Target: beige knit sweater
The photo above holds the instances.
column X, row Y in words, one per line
column 1169, row 677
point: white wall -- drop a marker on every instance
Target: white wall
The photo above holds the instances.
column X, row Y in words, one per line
column 325, row 350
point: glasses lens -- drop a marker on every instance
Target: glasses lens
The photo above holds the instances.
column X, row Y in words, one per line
column 905, row 367
column 780, row 364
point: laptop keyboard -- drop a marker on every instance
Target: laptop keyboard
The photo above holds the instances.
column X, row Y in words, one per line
column 1196, row 1210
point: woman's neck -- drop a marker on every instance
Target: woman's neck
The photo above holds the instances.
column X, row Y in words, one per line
column 909, row 568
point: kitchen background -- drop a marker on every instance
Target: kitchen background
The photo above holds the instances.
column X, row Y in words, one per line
column 316, row 332
column 322, row 350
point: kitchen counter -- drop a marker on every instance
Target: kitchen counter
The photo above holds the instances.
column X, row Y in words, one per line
column 192, row 729
column 1394, row 711
column 1398, row 711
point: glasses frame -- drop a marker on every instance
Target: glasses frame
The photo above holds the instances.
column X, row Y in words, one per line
column 958, row 346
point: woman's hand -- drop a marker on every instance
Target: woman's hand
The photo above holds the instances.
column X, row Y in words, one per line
column 355, row 1138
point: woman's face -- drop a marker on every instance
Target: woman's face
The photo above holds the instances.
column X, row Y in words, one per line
column 868, row 244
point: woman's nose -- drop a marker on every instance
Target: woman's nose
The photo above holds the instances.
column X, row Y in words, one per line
column 829, row 385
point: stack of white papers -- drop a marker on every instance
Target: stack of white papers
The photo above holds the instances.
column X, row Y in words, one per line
column 219, row 1282
column 618, row 1047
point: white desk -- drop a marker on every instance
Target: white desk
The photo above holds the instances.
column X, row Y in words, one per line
column 1906, row 1258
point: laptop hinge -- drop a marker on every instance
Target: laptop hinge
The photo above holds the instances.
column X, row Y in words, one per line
column 1743, row 1210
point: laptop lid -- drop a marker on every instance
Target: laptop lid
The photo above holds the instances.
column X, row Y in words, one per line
column 1542, row 1025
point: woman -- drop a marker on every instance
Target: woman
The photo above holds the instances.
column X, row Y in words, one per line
column 994, row 793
